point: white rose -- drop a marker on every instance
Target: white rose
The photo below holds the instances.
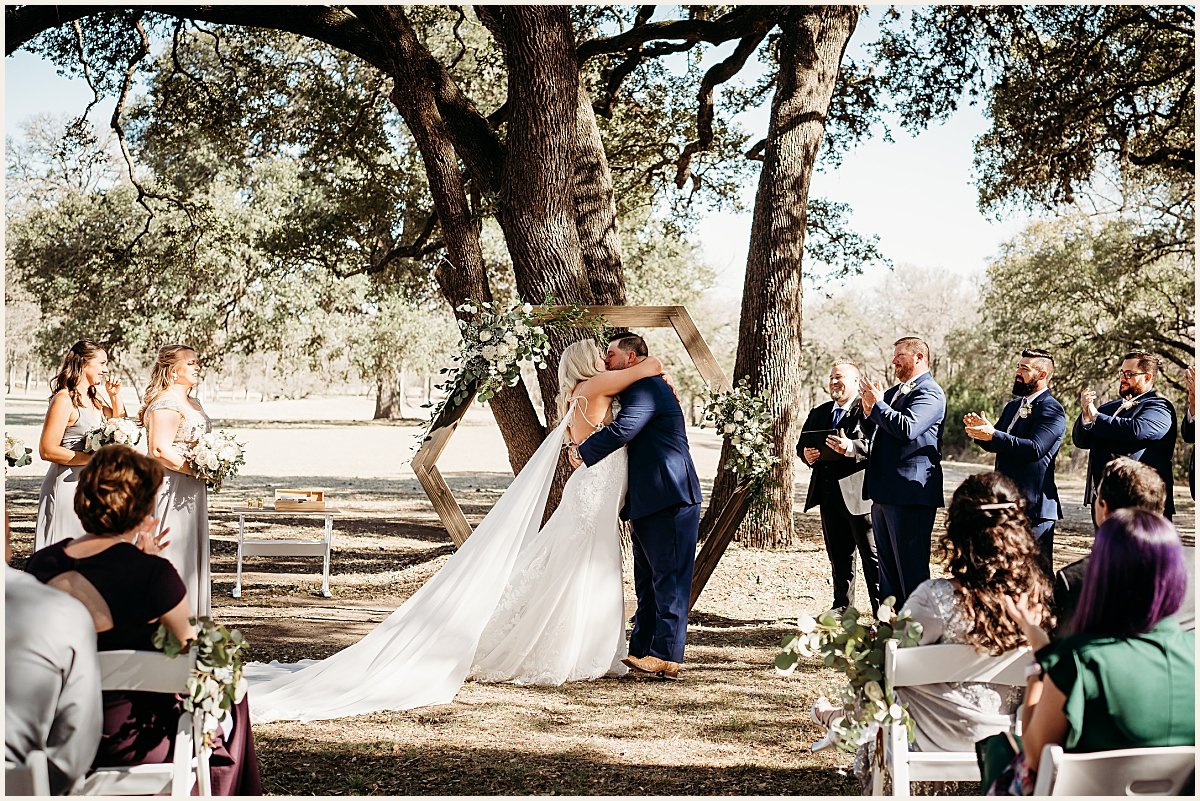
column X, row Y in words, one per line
column 485, row 336
column 730, row 428
column 738, row 415
column 527, row 308
column 211, row 462
column 537, row 329
column 228, row 452
column 511, row 338
column 501, row 366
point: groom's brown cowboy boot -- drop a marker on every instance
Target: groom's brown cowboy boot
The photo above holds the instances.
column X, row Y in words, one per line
column 653, row 665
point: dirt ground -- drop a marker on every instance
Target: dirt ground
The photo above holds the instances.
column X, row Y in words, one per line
column 731, row 727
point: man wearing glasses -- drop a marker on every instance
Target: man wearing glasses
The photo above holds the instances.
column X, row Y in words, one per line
column 1026, row 440
column 1139, row 424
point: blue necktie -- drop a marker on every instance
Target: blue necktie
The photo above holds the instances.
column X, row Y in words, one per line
column 838, row 414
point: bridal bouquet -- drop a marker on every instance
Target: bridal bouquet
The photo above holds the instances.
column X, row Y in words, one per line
column 15, row 452
column 856, row 650
column 215, row 457
column 114, row 430
column 216, row 683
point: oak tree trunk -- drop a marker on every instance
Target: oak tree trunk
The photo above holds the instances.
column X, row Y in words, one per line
column 387, row 398
column 812, row 41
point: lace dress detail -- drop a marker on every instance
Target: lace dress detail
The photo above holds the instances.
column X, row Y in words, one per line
column 562, row 616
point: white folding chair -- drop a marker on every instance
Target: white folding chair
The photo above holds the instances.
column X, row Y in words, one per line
column 149, row 671
column 30, row 778
column 1127, row 771
column 936, row 664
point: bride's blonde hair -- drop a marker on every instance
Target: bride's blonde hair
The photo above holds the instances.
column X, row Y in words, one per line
column 162, row 375
column 579, row 361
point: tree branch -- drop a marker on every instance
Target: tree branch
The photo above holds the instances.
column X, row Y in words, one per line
column 717, row 75
column 739, row 22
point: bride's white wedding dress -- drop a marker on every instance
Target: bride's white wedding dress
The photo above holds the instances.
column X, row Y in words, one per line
column 514, row 603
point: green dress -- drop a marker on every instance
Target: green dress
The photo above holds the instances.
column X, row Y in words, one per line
column 1126, row 692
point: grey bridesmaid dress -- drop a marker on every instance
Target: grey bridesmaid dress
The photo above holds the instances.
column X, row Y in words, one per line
column 182, row 506
column 56, row 520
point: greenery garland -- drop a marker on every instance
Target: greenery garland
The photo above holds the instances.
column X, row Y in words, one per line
column 857, row 651
column 496, row 341
column 216, row 683
column 744, row 419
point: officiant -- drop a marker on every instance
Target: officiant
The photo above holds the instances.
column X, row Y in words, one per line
column 835, row 442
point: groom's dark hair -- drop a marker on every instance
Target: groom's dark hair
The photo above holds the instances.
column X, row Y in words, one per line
column 630, row 343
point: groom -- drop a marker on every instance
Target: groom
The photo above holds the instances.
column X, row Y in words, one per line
column 662, row 505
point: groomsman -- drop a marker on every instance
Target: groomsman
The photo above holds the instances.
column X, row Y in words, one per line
column 904, row 469
column 1026, row 440
column 1139, row 424
column 837, row 484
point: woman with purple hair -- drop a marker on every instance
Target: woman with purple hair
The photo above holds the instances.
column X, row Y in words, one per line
column 1127, row 677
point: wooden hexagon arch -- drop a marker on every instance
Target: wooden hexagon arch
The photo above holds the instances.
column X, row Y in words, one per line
column 424, row 463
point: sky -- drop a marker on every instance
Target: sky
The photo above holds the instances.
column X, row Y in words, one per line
column 915, row 193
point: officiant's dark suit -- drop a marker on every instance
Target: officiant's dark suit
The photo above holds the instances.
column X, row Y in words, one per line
column 663, row 507
column 836, row 487
column 1026, row 448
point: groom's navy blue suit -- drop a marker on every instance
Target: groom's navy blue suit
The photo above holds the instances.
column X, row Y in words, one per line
column 663, row 506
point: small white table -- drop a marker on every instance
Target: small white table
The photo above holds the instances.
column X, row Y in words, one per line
column 278, row 547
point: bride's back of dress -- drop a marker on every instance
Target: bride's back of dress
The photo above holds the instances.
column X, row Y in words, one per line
column 515, row 603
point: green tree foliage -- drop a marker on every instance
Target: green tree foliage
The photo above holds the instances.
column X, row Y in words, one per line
column 1070, row 89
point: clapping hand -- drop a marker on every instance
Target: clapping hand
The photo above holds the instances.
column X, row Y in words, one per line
column 978, row 426
column 1087, row 400
column 840, row 442
column 1027, row 618
column 871, row 392
column 112, row 386
column 147, row 540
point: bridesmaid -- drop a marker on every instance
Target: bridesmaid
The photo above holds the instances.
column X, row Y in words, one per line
column 76, row 408
column 174, row 420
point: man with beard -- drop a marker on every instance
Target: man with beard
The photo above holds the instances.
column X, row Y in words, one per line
column 1139, row 424
column 1026, row 440
column 904, row 470
column 837, row 484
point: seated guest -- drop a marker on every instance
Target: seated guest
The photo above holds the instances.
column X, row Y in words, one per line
column 988, row 549
column 1125, row 484
column 1127, row 677
column 115, row 570
column 51, row 679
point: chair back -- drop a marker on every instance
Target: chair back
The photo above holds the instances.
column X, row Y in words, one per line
column 30, row 778
column 947, row 663
column 154, row 672
column 1128, row 771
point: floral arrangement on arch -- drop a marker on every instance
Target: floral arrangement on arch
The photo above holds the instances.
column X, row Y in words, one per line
column 744, row 419
column 846, row 645
column 216, row 683
column 497, row 340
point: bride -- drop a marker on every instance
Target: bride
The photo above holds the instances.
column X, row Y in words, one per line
column 516, row 603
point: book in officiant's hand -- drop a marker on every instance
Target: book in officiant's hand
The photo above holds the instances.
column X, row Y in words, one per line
column 816, row 439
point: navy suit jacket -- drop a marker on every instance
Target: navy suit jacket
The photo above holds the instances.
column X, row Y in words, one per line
column 840, row 474
column 1146, row 433
column 661, row 472
column 1027, row 453
column 905, row 467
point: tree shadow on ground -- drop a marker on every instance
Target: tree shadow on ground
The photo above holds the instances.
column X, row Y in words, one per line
column 296, row 766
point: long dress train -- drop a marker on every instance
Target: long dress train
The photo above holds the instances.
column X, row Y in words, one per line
column 515, row 603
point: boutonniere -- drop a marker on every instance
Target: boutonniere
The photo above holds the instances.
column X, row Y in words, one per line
column 907, row 386
column 1128, row 404
column 1025, row 410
